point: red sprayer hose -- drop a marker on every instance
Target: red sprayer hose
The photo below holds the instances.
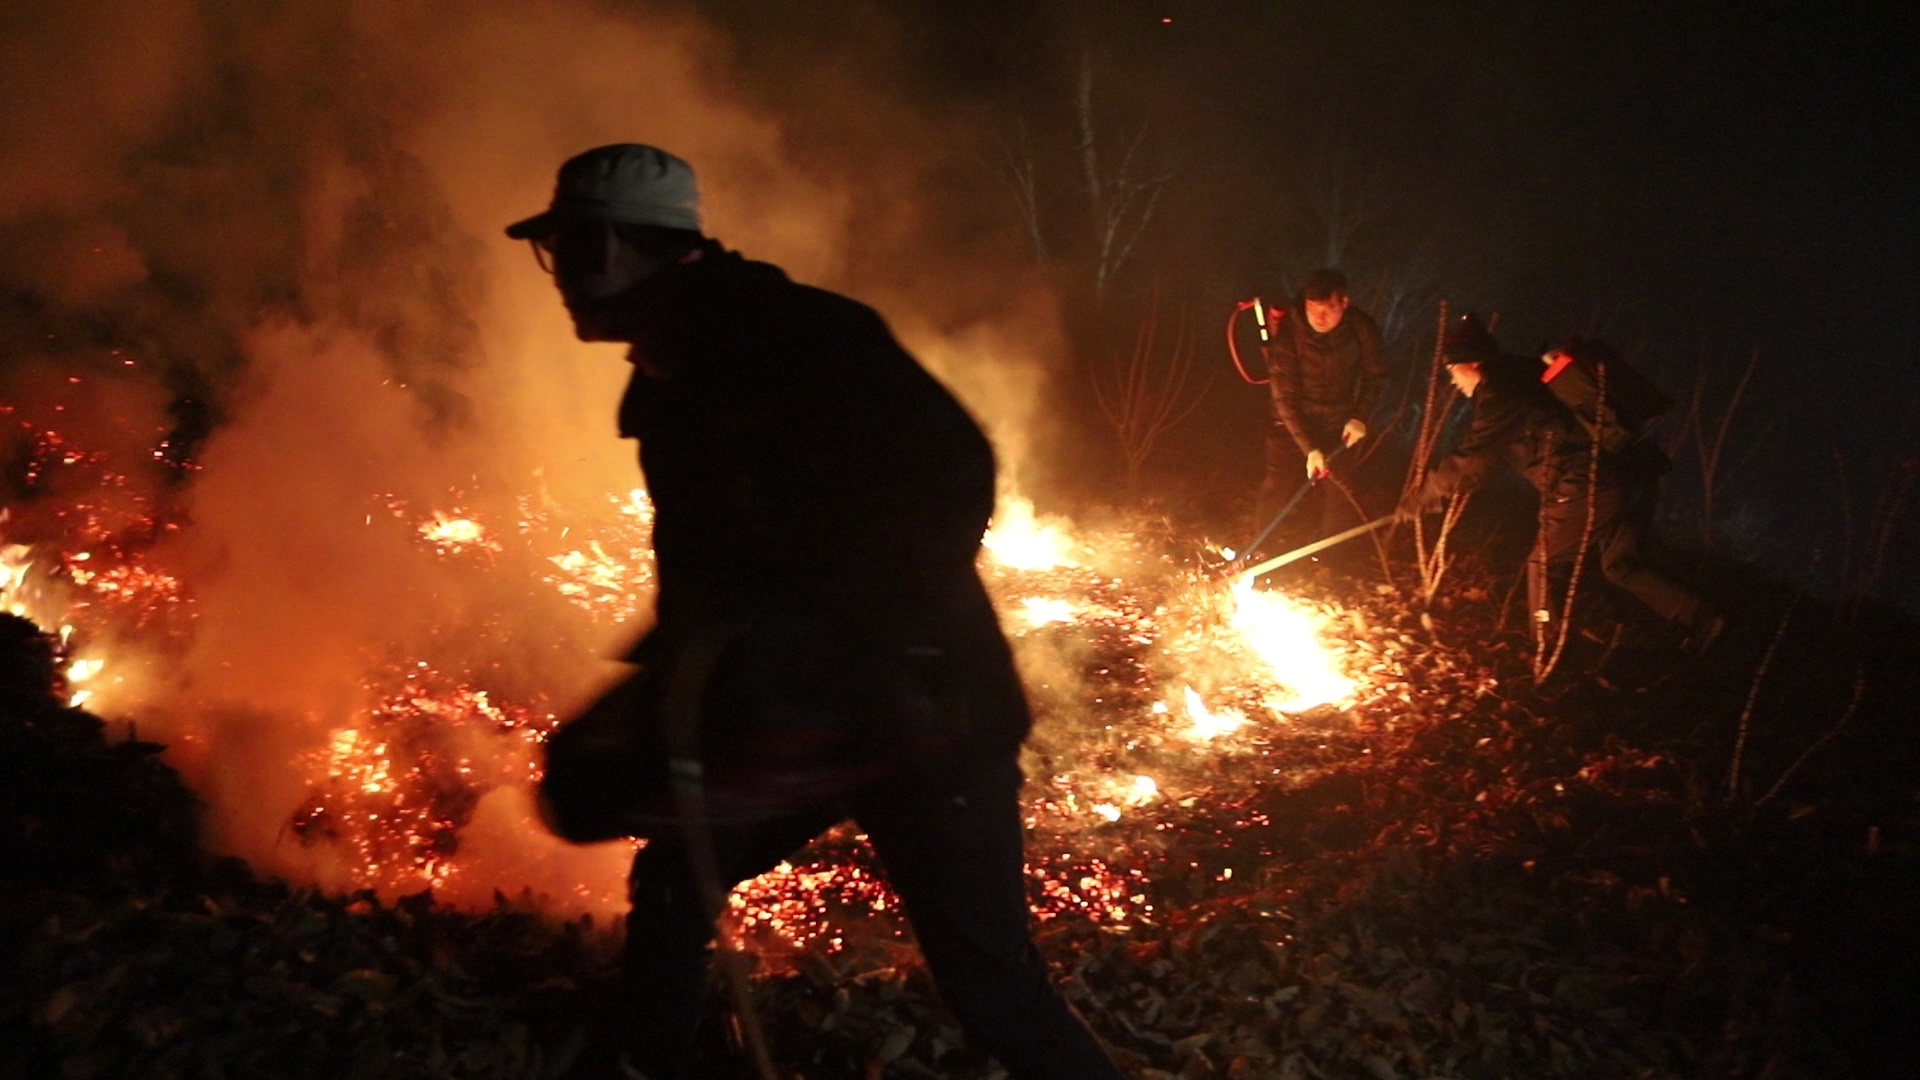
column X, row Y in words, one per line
column 1269, row 318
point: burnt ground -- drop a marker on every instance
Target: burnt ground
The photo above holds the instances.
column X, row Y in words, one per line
column 1491, row 880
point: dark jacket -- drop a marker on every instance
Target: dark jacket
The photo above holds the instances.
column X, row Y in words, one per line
column 1619, row 413
column 1320, row 381
column 1517, row 420
column 803, row 465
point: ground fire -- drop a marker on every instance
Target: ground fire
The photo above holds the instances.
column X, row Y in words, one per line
column 1216, row 681
column 1265, row 827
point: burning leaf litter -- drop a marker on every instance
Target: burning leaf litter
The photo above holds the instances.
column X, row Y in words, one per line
column 1203, row 681
column 1434, row 881
column 1241, row 806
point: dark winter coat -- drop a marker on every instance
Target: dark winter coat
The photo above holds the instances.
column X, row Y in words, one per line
column 818, row 501
column 1619, row 416
column 1516, row 420
column 1584, row 504
column 803, row 466
column 1320, row 381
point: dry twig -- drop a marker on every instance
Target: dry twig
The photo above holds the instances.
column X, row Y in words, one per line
column 1710, row 446
column 1360, row 512
column 1753, row 695
column 1853, row 706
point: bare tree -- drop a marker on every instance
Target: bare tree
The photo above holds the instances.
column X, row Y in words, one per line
column 1433, row 560
column 1866, row 544
column 1104, row 203
column 1146, row 394
column 1121, row 198
column 1343, row 205
column 1707, row 435
column 1020, row 169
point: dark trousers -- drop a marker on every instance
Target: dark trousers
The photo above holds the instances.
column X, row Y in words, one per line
column 1620, row 519
column 952, row 851
column 1323, row 510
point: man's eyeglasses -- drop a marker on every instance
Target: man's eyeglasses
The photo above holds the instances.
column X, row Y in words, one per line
column 581, row 245
column 543, row 252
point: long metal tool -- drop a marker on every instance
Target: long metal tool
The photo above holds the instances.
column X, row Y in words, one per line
column 1298, row 494
column 1281, row 516
column 1298, row 553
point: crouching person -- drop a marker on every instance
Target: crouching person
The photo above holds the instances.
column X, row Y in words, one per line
column 824, row 648
column 1518, row 419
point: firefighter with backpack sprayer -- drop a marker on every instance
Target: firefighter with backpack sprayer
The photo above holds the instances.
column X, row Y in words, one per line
column 1519, row 419
column 1325, row 374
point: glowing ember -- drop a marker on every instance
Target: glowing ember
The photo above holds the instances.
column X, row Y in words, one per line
column 792, row 907
column 457, row 534
column 611, row 576
column 1122, row 675
column 395, row 790
column 1133, row 794
column 147, row 596
column 1093, row 891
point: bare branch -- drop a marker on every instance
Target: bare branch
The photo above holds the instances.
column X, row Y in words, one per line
column 1147, row 395
column 1753, row 695
column 1089, row 145
column 1021, row 172
column 1853, row 706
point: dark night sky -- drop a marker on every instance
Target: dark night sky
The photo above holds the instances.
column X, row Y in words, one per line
column 1693, row 181
column 1741, row 170
column 1703, row 179
column 1745, row 170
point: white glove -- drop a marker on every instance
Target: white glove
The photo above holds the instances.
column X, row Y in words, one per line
column 1355, row 430
column 1316, row 464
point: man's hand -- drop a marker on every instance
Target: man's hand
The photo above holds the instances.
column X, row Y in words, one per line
column 1316, row 464
column 1355, row 430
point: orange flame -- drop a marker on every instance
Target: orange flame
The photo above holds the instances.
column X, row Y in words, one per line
column 1208, row 724
column 1288, row 635
column 1018, row 540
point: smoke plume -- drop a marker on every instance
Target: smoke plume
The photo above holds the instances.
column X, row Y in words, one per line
column 258, row 249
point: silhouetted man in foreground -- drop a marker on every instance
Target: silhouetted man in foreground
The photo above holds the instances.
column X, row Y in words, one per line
column 1518, row 419
column 1325, row 375
column 824, row 646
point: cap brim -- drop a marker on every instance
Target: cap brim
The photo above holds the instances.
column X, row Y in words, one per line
column 532, row 228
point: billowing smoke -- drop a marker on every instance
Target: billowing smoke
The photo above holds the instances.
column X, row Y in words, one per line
column 254, row 252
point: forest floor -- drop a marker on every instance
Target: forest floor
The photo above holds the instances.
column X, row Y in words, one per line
column 1649, row 866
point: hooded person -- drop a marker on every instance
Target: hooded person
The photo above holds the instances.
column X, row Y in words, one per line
column 823, row 648
column 1518, row 420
